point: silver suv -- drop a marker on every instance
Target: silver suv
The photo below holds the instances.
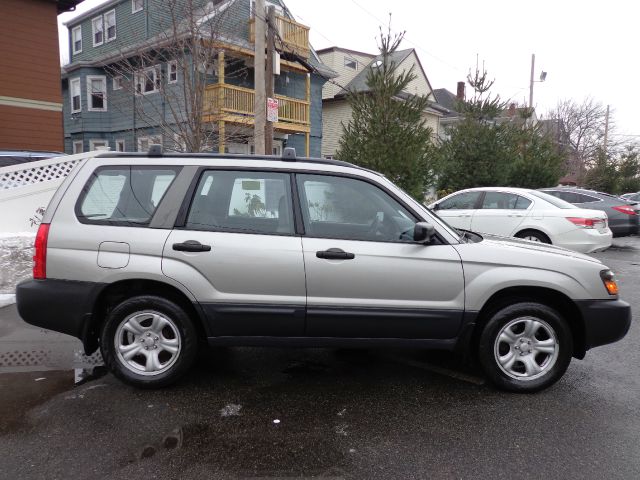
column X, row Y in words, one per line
column 148, row 257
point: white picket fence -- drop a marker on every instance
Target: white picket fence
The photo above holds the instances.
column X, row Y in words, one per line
column 29, row 186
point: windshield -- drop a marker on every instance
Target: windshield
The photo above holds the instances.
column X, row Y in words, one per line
column 555, row 201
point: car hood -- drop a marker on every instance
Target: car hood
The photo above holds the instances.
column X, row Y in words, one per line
column 528, row 246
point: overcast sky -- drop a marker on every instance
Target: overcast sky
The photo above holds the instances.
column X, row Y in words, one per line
column 587, row 48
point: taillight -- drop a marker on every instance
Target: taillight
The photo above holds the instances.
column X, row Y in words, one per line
column 587, row 222
column 40, row 257
column 628, row 209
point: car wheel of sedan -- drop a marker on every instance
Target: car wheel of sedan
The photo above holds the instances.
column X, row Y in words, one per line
column 525, row 347
column 148, row 341
column 533, row 236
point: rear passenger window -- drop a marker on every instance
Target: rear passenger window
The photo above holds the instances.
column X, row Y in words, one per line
column 124, row 195
column 503, row 201
column 581, row 198
column 242, row 202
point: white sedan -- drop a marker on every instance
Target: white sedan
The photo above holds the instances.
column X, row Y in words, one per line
column 527, row 214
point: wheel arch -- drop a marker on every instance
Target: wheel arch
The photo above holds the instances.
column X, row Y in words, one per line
column 547, row 296
column 535, row 230
column 116, row 292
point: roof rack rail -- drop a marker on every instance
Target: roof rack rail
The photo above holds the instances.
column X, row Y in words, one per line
column 289, row 154
column 155, row 150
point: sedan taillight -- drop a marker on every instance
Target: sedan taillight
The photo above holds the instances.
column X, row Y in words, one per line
column 588, row 222
column 628, row 209
column 40, row 257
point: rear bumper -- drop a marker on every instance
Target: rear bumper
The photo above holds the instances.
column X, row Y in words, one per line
column 61, row 305
column 605, row 321
column 584, row 240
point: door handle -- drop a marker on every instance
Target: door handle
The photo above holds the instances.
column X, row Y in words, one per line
column 191, row 246
column 335, row 254
column 516, row 215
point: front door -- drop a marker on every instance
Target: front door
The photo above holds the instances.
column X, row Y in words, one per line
column 366, row 278
column 238, row 254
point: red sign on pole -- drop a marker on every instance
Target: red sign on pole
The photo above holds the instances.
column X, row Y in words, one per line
column 272, row 109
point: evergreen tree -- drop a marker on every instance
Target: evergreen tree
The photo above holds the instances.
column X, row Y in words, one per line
column 387, row 131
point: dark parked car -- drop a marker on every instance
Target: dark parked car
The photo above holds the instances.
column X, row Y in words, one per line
column 634, row 197
column 624, row 214
column 16, row 157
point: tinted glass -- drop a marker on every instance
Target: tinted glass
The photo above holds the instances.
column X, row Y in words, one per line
column 243, row 202
column 346, row 208
column 500, row 200
column 124, row 194
column 556, row 202
column 462, row 201
column 581, row 198
column 522, row 203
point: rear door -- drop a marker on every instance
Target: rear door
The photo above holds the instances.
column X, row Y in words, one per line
column 236, row 250
column 500, row 213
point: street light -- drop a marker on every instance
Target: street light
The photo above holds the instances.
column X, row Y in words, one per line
column 543, row 77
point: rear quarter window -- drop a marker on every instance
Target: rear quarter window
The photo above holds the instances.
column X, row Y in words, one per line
column 124, row 195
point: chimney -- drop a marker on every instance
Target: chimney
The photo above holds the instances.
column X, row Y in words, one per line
column 460, row 91
column 512, row 110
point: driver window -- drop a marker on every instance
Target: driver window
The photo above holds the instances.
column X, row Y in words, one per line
column 350, row 209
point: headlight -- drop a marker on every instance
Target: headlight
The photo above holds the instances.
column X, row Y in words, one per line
column 609, row 280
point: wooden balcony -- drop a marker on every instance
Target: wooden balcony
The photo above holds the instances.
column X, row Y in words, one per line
column 293, row 36
column 228, row 103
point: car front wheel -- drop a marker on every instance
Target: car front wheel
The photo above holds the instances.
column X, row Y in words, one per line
column 525, row 347
column 148, row 341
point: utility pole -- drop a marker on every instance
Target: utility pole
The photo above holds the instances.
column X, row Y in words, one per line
column 271, row 41
column 533, row 63
column 260, row 103
column 606, row 130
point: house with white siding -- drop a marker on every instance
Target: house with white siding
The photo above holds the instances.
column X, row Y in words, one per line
column 352, row 68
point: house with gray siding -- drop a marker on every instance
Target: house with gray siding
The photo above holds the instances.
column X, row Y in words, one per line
column 136, row 66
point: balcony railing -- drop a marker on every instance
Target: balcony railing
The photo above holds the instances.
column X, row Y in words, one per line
column 236, row 104
column 293, row 35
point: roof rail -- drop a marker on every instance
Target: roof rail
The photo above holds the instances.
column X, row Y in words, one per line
column 155, row 150
column 289, row 154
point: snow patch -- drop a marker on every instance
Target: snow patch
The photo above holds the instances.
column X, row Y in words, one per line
column 7, row 299
column 230, row 410
column 16, row 252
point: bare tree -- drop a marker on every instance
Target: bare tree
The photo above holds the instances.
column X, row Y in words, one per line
column 581, row 130
column 172, row 80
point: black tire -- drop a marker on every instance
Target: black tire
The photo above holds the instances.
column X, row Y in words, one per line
column 178, row 328
column 550, row 331
column 534, row 234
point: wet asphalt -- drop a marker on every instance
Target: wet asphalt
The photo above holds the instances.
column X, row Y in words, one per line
column 327, row 413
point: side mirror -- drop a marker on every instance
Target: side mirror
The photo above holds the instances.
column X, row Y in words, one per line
column 436, row 206
column 423, row 232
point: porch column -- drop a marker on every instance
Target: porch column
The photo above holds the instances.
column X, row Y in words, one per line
column 307, row 136
column 220, row 99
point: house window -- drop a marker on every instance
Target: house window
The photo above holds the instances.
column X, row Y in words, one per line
column 76, row 39
column 136, row 5
column 145, row 142
column 97, row 93
column 147, row 81
column 117, row 82
column 120, row 145
column 98, row 31
column 110, row 25
column 351, row 63
column 95, row 144
column 74, row 89
column 173, row 71
column 77, row 146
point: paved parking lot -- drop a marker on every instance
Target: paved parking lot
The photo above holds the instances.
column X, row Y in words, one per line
column 284, row 413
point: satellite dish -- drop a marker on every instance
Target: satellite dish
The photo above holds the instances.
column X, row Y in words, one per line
column 543, row 76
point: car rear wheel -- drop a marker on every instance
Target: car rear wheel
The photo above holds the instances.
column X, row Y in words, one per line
column 533, row 236
column 525, row 347
column 148, row 341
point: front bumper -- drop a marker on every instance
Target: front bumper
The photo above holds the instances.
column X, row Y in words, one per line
column 605, row 321
column 64, row 306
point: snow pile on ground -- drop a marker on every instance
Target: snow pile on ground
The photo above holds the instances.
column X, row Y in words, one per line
column 16, row 252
